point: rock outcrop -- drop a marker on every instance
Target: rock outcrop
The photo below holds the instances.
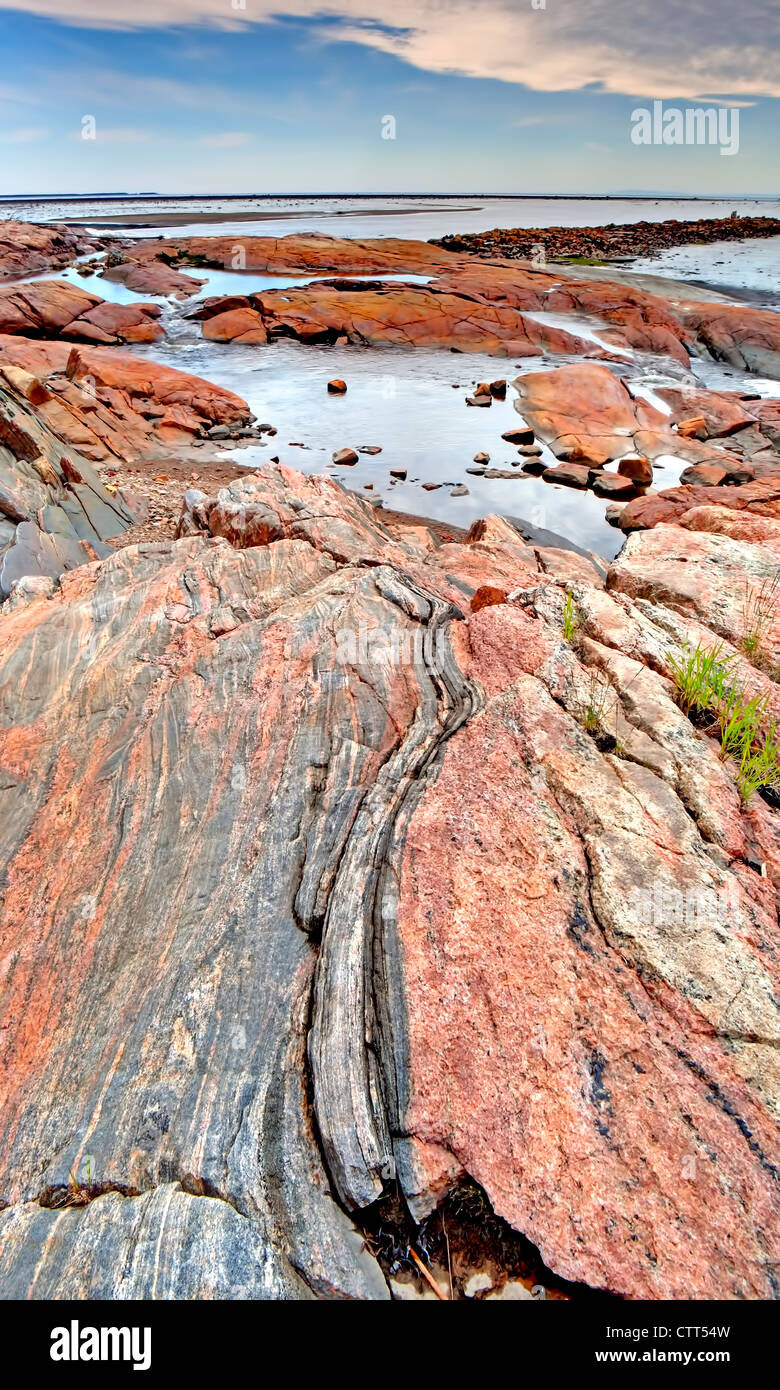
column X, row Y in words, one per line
column 153, row 277
column 57, row 309
column 385, row 314
column 307, row 253
column 111, row 404
column 747, row 338
column 622, row 242
column 317, row 881
column 584, row 412
column 590, row 417
column 63, row 409
column 55, row 514
column 28, row 248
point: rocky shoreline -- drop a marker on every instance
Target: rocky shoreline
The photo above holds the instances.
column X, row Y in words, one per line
column 610, row 242
column 354, row 869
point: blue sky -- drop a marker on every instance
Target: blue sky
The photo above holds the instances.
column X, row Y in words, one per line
column 515, row 96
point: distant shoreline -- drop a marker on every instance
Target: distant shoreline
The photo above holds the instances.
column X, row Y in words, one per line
column 11, row 199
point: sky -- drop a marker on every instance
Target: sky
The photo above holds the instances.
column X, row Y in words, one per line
column 413, row 96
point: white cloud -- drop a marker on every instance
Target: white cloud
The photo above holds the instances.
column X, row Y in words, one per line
column 667, row 49
column 116, row 135
column 227, row 140
column 24, row 135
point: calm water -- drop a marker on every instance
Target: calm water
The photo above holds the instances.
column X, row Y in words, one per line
column 418, row 217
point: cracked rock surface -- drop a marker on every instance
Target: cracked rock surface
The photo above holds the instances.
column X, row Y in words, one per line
column 315, row 880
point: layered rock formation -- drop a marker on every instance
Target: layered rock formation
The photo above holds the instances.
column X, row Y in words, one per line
column 55, row 514
column 319, row 879
column 62, row 409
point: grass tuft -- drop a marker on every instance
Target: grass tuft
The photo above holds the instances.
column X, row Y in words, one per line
column 702, row 683
column 758, row 608
column 700, row 678
column 571, row 618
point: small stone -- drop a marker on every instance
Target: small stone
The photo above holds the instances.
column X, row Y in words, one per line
column 483, row 389
column 498, row 389
column 530, row 450
column 369, row 449
column 431, row 487
column 398, row 473
column 479, row 400
column 460, row 490
column 219, row 432
column 337, row 387
column 695, row 428
column 345, row 456
column 638, row 467
column 487, row 596
column 570, row 474
column 482, row 458
column 519, row 436
column 706, row 474
column 612, row 485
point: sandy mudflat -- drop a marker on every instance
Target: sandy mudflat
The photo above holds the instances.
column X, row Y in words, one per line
column 193, row 216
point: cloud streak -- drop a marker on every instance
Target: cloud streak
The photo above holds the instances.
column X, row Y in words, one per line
column 669, row 49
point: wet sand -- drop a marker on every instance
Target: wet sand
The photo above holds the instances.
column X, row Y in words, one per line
column 190, row 218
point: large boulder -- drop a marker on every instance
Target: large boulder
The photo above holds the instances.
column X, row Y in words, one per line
column 584, row 412
column 55, row 308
